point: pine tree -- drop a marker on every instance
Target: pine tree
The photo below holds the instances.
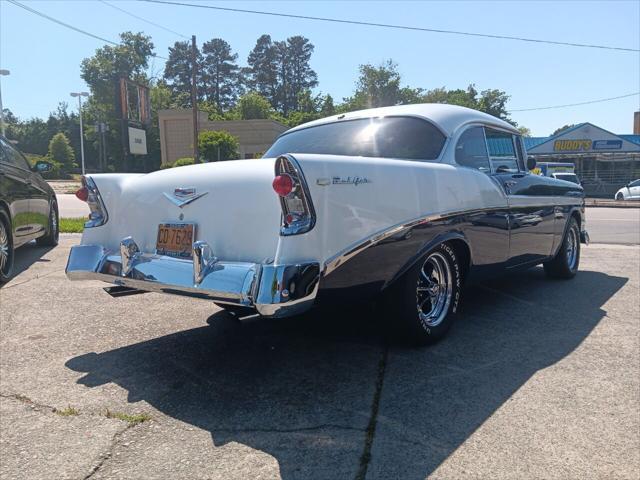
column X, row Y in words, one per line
column 221, row 74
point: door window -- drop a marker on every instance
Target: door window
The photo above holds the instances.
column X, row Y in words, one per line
column 12, row 156
column 502, row 151
column 471, row 150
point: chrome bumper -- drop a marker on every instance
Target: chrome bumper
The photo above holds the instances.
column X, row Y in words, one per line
column 584, row 237
column 273, row 290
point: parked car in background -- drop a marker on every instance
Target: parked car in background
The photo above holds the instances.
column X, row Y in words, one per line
column 561, row 171
column 28, row 208
column 631, row 191
column 403, row 203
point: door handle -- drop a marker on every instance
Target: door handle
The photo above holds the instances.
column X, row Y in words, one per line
column 510, row 183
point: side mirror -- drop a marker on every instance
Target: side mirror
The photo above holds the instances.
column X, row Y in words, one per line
column 531, row 163
column 42, row 167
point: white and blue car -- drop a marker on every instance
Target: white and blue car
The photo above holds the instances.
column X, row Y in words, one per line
column 406, row 203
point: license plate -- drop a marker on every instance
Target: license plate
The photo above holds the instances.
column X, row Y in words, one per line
column 175, row 239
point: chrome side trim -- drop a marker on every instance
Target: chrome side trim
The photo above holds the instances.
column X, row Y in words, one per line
column 347, row 254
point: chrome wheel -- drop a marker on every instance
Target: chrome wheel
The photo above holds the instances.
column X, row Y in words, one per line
column 572, row 248
column 54, row 222
column 4, row 248
column 434, row 290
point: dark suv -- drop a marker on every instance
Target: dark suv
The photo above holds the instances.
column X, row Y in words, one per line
column 28, row 208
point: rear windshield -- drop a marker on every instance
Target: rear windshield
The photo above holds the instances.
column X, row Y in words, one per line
column 386, row 137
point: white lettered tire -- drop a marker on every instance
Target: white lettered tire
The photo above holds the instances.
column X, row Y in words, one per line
column 423, row 304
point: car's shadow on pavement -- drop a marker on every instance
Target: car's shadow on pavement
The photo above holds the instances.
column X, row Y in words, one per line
column 301, row 389
column 26, row 256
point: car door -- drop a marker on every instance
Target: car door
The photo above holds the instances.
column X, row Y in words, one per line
column 532, row 207
column 14, row 188
column 38, row 198
column 634, row 190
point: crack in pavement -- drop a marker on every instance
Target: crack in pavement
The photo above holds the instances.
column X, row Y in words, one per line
column 365, row 458
column 102, row 459
column 24, row 399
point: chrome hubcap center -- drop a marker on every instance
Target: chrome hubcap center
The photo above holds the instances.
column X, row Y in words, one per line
column 434, row 290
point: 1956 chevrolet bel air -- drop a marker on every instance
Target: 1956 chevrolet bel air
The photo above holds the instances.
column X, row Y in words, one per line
column 407, row 202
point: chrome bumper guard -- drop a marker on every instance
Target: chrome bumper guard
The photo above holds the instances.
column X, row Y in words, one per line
column 584, row 237
column 273, row 290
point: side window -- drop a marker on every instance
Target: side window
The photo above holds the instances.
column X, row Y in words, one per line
column 635, row 184
column 471, row 150
column 12, row 156
column 502, row 151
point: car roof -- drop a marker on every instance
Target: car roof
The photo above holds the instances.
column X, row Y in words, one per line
column 447, row 117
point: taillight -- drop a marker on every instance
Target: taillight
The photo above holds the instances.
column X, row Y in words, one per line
column 283, row 184
column 83, row 194
column 89, row 191
column 298, row 215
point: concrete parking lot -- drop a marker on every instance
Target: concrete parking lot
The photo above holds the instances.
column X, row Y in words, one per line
column 537, row 379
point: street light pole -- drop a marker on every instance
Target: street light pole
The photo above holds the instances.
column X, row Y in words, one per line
column 80, row 95
column 2, row 73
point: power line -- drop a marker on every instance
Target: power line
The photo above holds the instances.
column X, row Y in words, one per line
column 143, row 19
column 389, row 25
column 76, row 29
column 575, row 104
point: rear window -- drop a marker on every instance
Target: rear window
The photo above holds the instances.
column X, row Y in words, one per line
column 386, row 137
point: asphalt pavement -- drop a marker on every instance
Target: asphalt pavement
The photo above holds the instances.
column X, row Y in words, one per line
column 614, row 225
column 537, row 379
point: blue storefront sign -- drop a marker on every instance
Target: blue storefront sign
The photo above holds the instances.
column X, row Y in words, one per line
column 607, row 145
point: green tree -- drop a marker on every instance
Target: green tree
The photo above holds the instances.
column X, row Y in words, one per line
column 379, row 86
column 220, row 74
column 262, row 70
column 524, row 131
column 252, row 106
column 300, row 76
column 217, row 145
column 178, row 73
column 558, row 131
column 129, row 59
column 60, row 151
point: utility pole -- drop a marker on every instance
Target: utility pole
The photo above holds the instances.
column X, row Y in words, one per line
column 194, row 98
column 80, row 95
column 2, row 73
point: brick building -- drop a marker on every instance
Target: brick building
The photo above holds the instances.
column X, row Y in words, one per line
column 176, row 133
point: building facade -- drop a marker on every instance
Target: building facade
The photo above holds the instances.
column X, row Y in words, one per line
column 176, row 133
column 604, row 161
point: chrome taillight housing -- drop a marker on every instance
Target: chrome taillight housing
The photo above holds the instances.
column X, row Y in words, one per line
column 298, row 215
column 98, row 215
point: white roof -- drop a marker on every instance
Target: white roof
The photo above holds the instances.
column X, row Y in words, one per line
column 447, row 117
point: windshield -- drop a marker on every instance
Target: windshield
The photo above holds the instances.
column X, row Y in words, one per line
column 386, row 137
column 568, row 177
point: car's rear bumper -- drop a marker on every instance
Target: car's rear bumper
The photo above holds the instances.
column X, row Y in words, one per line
column 273, row 290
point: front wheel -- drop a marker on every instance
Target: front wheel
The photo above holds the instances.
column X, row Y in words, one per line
column 619, row 196
column 6, row 248
column 53, row 231
column 565, row 263
column 424, row 303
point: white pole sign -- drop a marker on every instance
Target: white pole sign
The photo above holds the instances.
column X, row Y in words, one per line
column 137, row 141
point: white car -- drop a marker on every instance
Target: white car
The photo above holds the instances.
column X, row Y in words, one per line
column 405, row 202
column 629, row 192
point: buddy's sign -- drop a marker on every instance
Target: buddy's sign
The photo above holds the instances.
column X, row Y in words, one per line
column 579, row 145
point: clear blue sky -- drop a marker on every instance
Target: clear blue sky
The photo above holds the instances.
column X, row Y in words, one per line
column 44, row 58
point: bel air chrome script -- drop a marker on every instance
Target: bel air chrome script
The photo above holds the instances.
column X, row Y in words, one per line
column 183, row 196
column 356, row 180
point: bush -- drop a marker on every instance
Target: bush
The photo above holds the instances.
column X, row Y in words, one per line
column 181, row 162
column 55, row 173
column 60, row 151
column 217, row 145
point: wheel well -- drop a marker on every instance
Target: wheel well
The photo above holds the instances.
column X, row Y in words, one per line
column 578, row 218
column 463, row 254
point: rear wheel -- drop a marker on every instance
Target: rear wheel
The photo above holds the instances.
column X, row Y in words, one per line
column 565, row 263
column 425, row 301
column 6, row 248
column 53, row 231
